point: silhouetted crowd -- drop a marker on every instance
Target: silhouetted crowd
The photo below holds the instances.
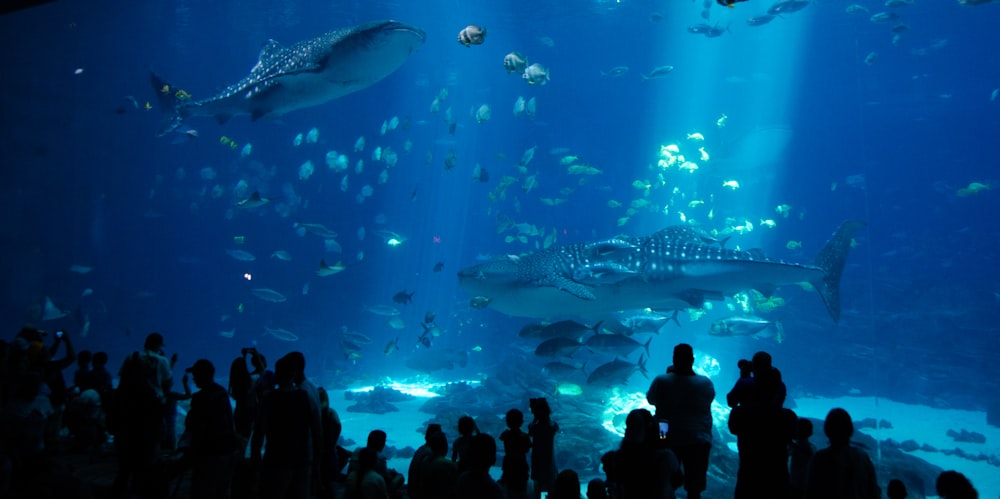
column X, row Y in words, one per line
column 273, row 434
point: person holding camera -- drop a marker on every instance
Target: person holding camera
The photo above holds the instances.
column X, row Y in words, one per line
column 683, row 399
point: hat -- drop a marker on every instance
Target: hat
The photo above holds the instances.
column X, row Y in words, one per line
column 153, row 341
column 202, row 367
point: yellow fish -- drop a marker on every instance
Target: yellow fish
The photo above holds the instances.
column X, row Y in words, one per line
column 148, row 106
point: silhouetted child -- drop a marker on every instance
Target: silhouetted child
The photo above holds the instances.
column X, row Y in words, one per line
column 800, row 451
column 896, row 489
column 460, row 449
column 954, row 485
column 542, row 432
column 515, row 460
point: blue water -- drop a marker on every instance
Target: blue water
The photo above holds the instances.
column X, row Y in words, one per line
column 85, row 180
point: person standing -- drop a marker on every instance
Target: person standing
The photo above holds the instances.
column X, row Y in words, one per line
column 683, row 399
column 209, row 425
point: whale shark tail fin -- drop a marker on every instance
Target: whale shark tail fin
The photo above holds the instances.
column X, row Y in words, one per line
column 831, row 259
column 170, row 101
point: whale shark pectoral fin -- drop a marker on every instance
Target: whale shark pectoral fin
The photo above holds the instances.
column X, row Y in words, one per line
column 574, row 288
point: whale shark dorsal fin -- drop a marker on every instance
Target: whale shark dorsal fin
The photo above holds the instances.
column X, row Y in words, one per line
column 268, row 52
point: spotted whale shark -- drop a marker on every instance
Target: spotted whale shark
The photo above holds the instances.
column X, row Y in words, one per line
column 675, row 268
column 308, row 73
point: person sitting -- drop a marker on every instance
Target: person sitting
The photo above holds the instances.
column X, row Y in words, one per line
column 364, row 482
column 440, row 474
column 841, row 470
column 954, row 485
column 476, row 483
column 643, row 467
column 567, row 485
column 421, row 456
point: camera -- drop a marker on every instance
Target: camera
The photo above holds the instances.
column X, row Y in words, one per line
column 664, row 428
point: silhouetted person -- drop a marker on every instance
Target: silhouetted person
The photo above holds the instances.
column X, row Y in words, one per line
column 841, row 470
column 896, row 489
column 476, row 483
column 460, row 449
column 332, row 427
column 542, row 432
column 81, row 376
column 139, row 401
column 516, row 445
column 294, row 437
column 954, row 485
column 244, row 399
column 800, row 452
column 743, row 389
column 23, row 426
column 567, row 485
column 439, row 476
column 394, row 481
column 643, row 466
column 212, row 441
column 364, row 482
column 684, row 399
column 51, row 370
column 597, row 489
column 421, row 456
column 764, row 430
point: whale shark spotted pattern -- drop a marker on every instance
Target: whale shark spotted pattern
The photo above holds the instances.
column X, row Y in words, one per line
column 675, row 268
column 308, row 73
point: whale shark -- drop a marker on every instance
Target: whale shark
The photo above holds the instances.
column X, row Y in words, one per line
column 674, row 268
column 308, row 73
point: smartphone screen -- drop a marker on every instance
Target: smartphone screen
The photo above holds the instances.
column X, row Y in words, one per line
column 59, row 334
column 664, row 427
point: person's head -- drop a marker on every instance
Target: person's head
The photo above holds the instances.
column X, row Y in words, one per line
column 376, row 440
column 154, row 342
column 284, row 373
column 540, row 408
column 258, row 361
column 954, row 485
column 746, row 368
column 896, row 489
column 597, row 489
column 431, row 429
column 100, row 359
column 83, row 359
column 803, row 429
column 638, row 425
column 466, row 426
column 515, row 418
column 438, row 443
column 838, row 427
column 298, row 363
column 482, row 452
column 761, row 363
column 567, row 485
column 683, row 356
column 202, row 372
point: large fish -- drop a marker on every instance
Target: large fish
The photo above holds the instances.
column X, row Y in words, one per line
column 670, row 269
column 306, row 74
